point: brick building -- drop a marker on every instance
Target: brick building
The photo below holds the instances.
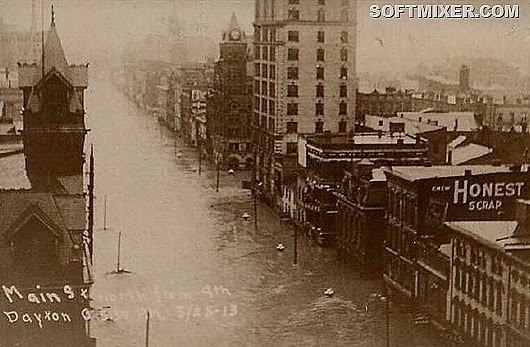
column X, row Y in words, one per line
column 420, row 200
column 304, row 79
column 230, row 106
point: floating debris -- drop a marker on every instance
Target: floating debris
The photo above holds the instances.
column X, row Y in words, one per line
column 280, row 247
column 245, row 216
column 329, row 292
column 230, row 171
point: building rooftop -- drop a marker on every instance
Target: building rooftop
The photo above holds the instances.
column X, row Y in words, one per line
column 412, row 126
column 415, row 173
column 463, row 121
column 465, row 153
column 13, row 173
column 325, row 140
column 497, row 233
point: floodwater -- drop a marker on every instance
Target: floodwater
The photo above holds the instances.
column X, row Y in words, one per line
column 206, row 276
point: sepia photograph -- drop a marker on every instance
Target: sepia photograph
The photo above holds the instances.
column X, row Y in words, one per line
column 195, row 173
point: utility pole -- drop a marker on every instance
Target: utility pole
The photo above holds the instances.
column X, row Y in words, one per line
column 105, row 214
column 200, row 157
column 91, row 205
column 147, row 329
column 387, row 313
column 217, row 180
column 295, row 245
column 254, row 183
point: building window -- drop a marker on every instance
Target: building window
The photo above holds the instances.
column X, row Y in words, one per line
column 272, row 72
column 342, row 126
column 264, row 88
column 321, row 16
column 343, row 54
column 292, row 127
column 294, row 2
column 257, row 52
column 319, row 109
column 344, row 37
column 320, row 73
column 292, row 54
column 320, row 90
column 292, row 36
column 292, row 90
column 272, row 54
column 320, row 54
column 292, row 73
column 344, row 73
column 321, row 36
column 272, row 90
column 294, row 14
column 256, row 87
column 257, row 69
column 265, row 53
column 292, row 147
column 343, row 108
column 343, row 91
column 272, row 108
column 292, row 109
column 263, row 105
column 319, row 126
column 265, row 71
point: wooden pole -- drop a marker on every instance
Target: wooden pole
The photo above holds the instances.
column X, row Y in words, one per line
column 387, row 317
column 118, row 267
column 105, row 214
column 147, row 329
column 295, row 261
column 217, row 180
column 200, row 157
column 91, row 205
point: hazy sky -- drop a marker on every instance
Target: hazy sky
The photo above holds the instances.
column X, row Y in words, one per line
column 96, row 27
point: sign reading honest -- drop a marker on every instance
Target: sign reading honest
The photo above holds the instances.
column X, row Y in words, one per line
column 482, row 197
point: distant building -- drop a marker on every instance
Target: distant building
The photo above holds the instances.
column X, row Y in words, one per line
column 304, row 79
column 323, row 159
column 230, row 103
column 420, row 200
column 361, row 208
column 437, row 135
column 44, row 223
column 490, row 273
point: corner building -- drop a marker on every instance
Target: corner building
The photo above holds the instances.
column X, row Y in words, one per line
column 304, row 79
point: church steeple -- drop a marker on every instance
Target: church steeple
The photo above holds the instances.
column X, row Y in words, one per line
column 234, row 33
column 54, row 125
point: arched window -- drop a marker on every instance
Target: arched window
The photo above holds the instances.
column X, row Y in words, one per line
column 321, row 15
column 344, row 73
column 343, row 54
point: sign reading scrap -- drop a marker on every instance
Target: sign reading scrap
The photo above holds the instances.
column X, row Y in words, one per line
column 483, row 197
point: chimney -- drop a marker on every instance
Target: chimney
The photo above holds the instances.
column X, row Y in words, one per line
column 522, row 213
column 400, row 141
column 467, row 172
column 449, row 158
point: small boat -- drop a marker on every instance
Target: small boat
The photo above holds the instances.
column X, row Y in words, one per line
column 329, row 292
column 231, row 172
column 280, row 247
column 245, row 216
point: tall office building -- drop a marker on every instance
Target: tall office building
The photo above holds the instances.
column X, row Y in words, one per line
column 304, row 80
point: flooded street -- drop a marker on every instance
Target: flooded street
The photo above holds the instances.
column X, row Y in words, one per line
column 207, row 277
